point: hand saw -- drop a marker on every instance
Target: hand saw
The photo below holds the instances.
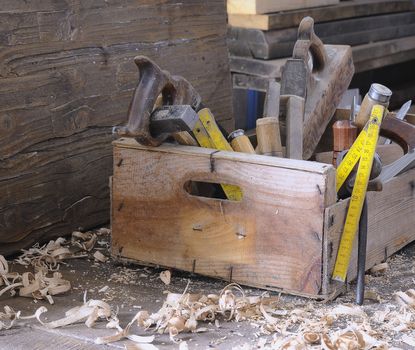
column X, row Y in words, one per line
column 363, row 149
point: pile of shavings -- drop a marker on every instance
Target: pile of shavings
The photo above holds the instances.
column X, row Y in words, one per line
column 46, row 281
column 49, row 256
column 38, row 285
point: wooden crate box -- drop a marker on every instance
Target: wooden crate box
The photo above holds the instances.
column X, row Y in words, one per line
column 282, row 235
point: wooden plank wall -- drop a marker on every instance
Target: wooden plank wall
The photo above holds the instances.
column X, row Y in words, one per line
column 66, row 77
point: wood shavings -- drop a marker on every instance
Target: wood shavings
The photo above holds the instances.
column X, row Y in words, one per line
column 379, row 269
column 91, row 311
column 84, row 240
column 407, row 298
column 48, row 256
column 165, row 277
column 408, row 340
column 183, row 312
column 351, row 310
column 372, row 295
column 103, row 289
column 38, row 285
column 125, row 333
column 103, row 231
column 133, row 346
column 9, row 317
column 98, row 256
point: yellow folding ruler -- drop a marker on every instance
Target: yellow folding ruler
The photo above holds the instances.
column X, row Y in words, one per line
column 208, row 135
column 364, row 149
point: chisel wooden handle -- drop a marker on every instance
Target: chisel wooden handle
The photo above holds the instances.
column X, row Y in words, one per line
column 268, row 137
column 240, row 142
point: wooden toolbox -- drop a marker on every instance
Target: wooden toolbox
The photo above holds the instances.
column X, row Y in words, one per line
column 282, row 235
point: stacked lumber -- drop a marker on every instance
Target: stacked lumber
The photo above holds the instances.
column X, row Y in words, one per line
column 67, row 76
column 381, row 32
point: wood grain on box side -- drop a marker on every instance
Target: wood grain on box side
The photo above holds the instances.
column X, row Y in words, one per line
column 272, row 238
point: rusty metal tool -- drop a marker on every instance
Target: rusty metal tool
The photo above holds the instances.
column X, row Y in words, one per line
column 168, row 120
column 401, row 115
column 399, row 131
column 320, row 74
column 152, row 83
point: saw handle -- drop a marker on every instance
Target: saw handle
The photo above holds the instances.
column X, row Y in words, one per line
column 309, row 42
column 153, row 82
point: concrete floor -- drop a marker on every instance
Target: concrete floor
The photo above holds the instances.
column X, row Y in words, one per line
column 146, row 291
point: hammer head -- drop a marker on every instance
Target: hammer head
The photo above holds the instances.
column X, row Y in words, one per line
column 168, row 120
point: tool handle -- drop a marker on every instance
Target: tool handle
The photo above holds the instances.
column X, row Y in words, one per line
column 268, row 137
column 307, row 42
column 153, row 82
column 241, row 143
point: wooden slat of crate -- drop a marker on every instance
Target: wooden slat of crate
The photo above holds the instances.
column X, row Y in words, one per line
column 356, row 31
column 346, row 9
column 271, row 239
column 267, row 6
column 390, row 227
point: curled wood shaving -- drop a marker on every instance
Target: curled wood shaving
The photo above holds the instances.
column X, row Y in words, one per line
column 91, row 311
column 98, row 256
column 165, row 277
column 350, row 338
column 38, row 285
column 379, row 269
column 48, row 256
column 125, row 333
column 183, row 312
column 406, row 299
column 9, row 317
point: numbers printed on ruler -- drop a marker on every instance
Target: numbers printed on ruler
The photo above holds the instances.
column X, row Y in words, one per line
column 364, row 149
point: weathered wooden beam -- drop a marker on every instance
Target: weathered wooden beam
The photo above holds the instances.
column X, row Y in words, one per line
column 67, row 76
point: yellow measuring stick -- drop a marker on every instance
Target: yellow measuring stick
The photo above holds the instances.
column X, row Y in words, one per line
column 364, row 148
column 208, row 135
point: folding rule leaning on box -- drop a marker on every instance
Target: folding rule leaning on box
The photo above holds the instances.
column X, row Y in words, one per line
column 363, row 149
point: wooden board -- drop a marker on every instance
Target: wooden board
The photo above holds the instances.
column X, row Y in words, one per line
column 365, row 57
column 271, row 239
column 356, row 31
column 390, row 227
column 267, row 6
column 67, row 76
column 346, row 9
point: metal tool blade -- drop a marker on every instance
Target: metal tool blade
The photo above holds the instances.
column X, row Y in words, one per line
column 401, row 114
